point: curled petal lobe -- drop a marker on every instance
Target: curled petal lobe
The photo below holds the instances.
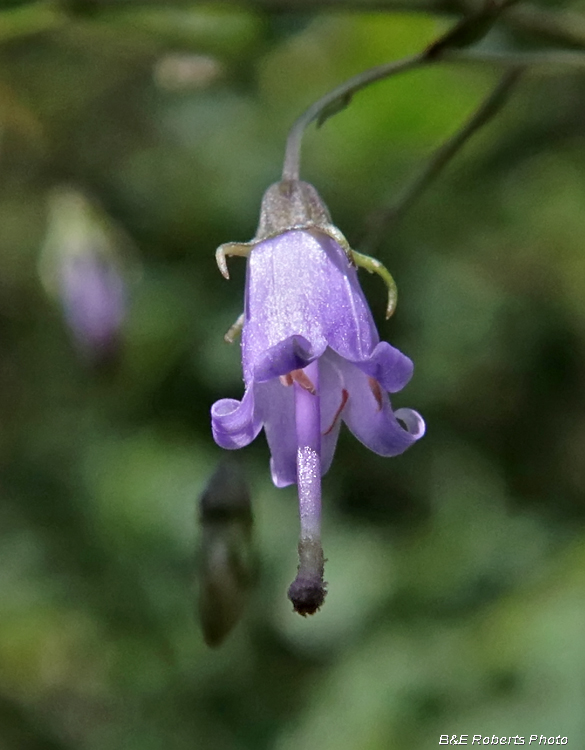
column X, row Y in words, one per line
column 413, row 422
column 388, row 366
column 235, row 423
column 294, row 353
column 377, row 428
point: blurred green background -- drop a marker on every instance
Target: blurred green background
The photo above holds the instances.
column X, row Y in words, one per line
column 456, row 571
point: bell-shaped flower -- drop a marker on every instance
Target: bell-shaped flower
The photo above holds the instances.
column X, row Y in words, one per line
column 312, row 358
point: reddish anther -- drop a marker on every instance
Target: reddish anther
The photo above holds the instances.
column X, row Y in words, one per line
column 344, row 397
column 377, row 391
column 301, row 378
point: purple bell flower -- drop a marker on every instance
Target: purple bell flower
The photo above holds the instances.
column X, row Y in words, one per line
column 312, row 358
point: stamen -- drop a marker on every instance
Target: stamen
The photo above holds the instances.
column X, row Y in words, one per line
column 344, row 397
column 301, row 378
column 377, row 391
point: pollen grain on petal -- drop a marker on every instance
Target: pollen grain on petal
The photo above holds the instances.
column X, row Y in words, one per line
column 344, row 397
column 377, row 391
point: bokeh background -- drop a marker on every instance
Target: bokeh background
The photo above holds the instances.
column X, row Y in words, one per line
column 456, row 571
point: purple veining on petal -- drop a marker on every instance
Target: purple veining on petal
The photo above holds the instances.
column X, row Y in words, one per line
column 388, row 366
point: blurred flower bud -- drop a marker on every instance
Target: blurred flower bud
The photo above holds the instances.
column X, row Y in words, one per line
column 226, row 555
column 80, row 266
column 186, row 72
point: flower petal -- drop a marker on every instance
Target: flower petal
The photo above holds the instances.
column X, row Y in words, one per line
column 300, row 283
column 276, row 407
column 235, row 423
column 276, row 410
column 413, row 421
column 331, row 391
column 293, row 353
column 375, row 425
column 390, row 367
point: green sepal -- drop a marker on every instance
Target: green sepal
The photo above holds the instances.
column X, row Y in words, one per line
column 375, row 266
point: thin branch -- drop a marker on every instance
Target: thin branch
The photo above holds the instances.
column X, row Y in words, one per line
column 566, row 28
column 545, row 62
column 471, row 28
column 382, row 220
column 293, row 6
column 339, row 97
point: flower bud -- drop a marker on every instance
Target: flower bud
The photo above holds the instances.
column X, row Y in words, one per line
column 226, row 555
column 81, row 268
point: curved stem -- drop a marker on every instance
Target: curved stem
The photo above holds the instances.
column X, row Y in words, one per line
column 470, row 29
column 339, row 96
